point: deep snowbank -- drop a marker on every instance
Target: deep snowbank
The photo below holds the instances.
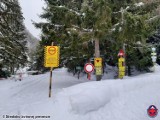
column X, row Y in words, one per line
column 128, row 97
column 91, row 96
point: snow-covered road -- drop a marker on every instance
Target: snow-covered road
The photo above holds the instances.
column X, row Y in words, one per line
column 32, row 90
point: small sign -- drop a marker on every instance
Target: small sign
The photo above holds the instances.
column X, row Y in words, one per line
column 121, row 67
column 121, row 74
column 121, row 53
column 88, row 67
column 121, row 62
column 51, row 56
column 78, row 67
column 153, row 49
column 52, row 50
column 98, row 70
column 98, row 62
column 154, row 58
column 153, row 54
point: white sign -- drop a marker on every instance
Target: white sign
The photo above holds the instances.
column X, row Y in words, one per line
column 153, row 54
column 88, row 67
column 154, row 58
column 153, row 49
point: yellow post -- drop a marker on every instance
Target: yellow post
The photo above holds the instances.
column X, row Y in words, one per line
column 50, row 82
column 121, row 66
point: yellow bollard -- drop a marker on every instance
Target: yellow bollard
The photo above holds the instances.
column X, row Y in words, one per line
column 121, row 67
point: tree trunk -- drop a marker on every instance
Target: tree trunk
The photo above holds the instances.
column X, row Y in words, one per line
column 97, row 54
column 11, row 69
column 129, row 70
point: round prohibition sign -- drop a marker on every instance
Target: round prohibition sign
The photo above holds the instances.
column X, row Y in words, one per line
column 52, row 50
column 88, row 68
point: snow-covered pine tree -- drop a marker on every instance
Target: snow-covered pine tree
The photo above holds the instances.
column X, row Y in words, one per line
column 77, row 23
column 12, row 43
column 74, row 24
column 63, row 19
column 135, row 22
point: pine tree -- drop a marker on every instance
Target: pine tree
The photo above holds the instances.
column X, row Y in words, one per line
column 12, row 49
column 77, row 25
column 138, row 21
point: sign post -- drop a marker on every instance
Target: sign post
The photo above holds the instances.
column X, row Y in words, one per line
column 154, row 57
column 51, row 59
column 50, row 82
column 98, row 65
column 121, row 64
column 88, row 69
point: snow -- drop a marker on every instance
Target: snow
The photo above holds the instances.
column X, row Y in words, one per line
column 88, row 30
column 84, row 14
column 80, row 99
column 61, row 6
column 77, row 13
column 139, row 4
column 1, row 47
column 153, row 18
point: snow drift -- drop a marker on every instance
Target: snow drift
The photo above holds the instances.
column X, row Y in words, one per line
column 112, row 99
column 89, row 97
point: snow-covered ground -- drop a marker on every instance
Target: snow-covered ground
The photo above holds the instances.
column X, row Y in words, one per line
column 78, row 99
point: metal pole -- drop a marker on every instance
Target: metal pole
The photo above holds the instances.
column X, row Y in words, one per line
column 124, row 49
column 50, row 81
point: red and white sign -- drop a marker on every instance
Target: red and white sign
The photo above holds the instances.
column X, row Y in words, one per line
column 88, row 67
column 52, row 50
column 121, row 53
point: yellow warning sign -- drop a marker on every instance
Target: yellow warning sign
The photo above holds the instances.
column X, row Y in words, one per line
column 121, row 59
column 121, row 66
column 121, row 74
column 98, row 70
column 98, row 62
column 121, row 62
column 51, row 56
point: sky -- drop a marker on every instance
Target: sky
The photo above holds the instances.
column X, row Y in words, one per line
column 31, row 9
